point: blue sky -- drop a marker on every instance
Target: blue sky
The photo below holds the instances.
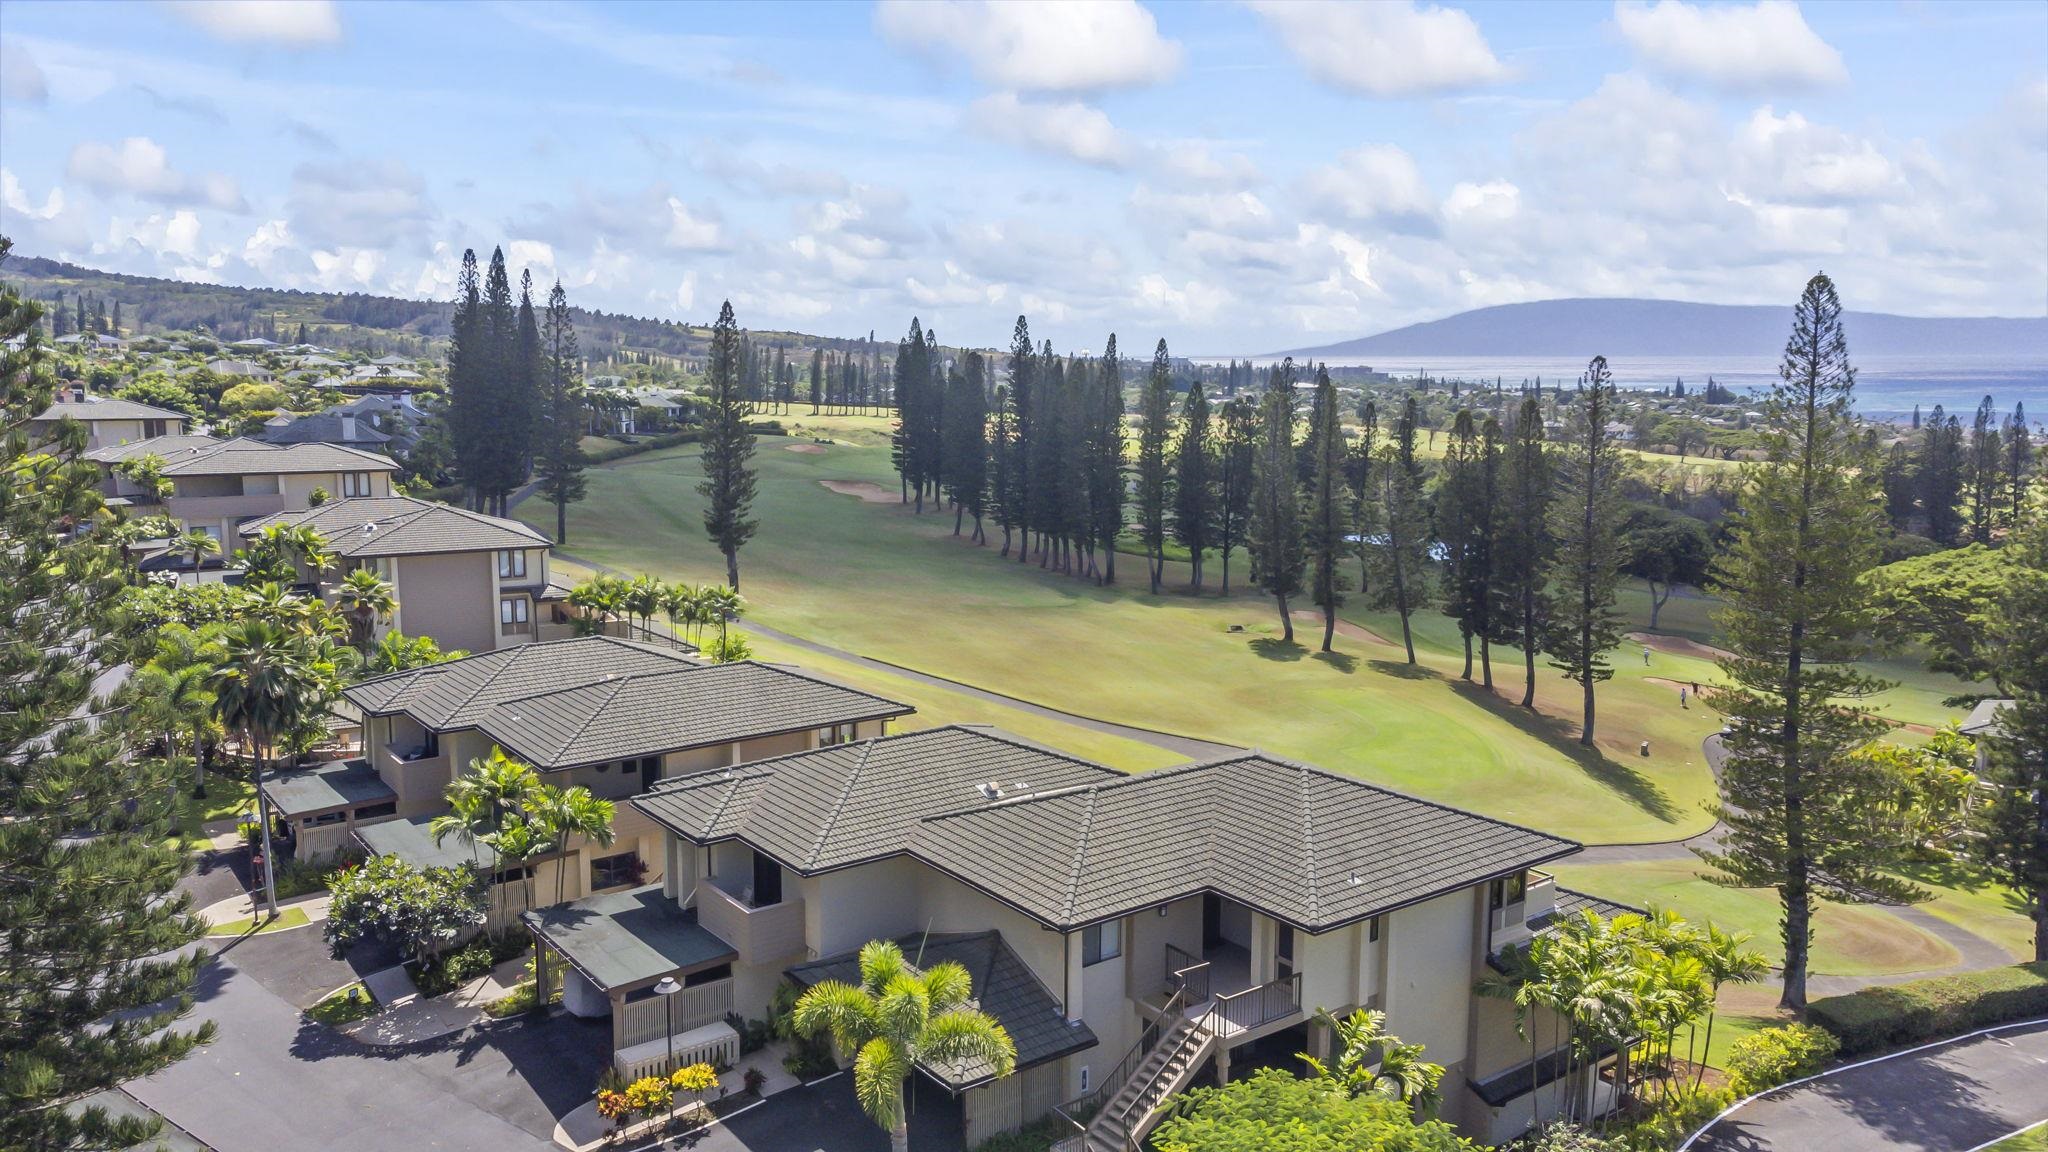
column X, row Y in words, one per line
column 1234, row 178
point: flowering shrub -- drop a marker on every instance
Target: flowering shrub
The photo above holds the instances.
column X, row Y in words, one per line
column 696, row 1079
column 612, row 1105
column 649, row 1094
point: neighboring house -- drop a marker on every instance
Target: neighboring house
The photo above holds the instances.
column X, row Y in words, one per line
column 245, row 368
column 324, row 428
column 1210, row 906
column 1981, row 722
column 615, row 716
column 108, row 422
column 395, row 414
column 471, row 581
column 217, row 485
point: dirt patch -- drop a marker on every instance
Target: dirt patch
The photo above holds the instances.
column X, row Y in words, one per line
column 806, row 449
column 1345, row 628
column 868, row 492
column 1677, row 645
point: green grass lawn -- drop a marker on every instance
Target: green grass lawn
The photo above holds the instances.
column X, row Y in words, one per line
column 2034, row 1139
column 873, row 578
column 344, row 1006
column 289, row 917
column 1965, row 896
column 227, row 795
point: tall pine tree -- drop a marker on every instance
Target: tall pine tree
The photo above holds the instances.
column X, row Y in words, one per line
column 1986, row 493
column 1237, row 450
column 1275, row 530
column 2019, row 462
column 728, row 485
column 558, row 460
column 1400, row 553
column 2015, row 822
column 1795, row 619
column 1329, row 522
column 1155, row 429
column 469, row 369
column 1194, row 490
column 1585, row 523
column 1106, row 459
column 1524, row 540
column 1939, row 475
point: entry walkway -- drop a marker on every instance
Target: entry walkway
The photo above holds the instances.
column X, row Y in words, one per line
column 1948, row 1097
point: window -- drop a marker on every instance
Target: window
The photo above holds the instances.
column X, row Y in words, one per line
column 512, row 562
column 614, row 871
column 374, row 811
column 836, row 734
column 512, row 614
column 325, row 818
column 355, row 483
column 1101, row 942
column 709, row 975
column 1507, row 890
column 1372, row 930
column 152, row 428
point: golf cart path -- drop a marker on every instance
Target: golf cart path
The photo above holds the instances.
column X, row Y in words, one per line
column 1951, row 1096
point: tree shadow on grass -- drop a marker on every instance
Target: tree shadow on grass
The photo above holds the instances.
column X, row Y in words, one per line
column 1274, row 648
column 1622, row 779
column 1343, row 662
column 1403, row 670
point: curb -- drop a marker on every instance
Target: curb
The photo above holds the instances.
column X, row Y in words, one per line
column 1730, row 1110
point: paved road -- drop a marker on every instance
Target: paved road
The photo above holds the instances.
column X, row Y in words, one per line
column 826, row 1118
column 274, row 1082
column 1946, row 1099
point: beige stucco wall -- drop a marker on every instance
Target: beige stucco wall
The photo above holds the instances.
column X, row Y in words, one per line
column 1150, row 933
column 1428, row 993
column 448, row 597
column 848, row 908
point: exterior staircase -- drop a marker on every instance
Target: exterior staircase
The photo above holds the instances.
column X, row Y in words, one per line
column 1123, row 1121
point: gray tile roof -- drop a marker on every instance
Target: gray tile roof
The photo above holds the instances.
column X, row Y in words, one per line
column 243, row 456
column 107, row 408
column 163, row 446
column 829, row 808
column 683, row 706
column 1984, row 717
column 457, row 694
column 325, row 787
column 321, row 428
column 623, row 939
column 1004, row 987
column 1571, row 902
column 1305, row 846
column 404, row 526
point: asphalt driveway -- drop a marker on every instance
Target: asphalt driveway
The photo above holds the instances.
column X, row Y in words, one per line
column 825, row 1117
column 1949, row 1098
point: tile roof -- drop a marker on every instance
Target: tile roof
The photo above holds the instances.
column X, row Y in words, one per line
column 1305, row 846
column 829, row 808
column 404, row 526
column 457, row 693
column 625, row 938
column 687, row 706
column 321, row 428
column 243, row 456
column 1004, row 987
column 1984, row 718
column 108, row 409
column 162, row 446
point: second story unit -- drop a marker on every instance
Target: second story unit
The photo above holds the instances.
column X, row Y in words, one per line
column 218, row 485
column 472, row 582
column 107, row 421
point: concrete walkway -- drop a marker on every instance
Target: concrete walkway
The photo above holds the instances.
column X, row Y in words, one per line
column 1952, row 1096
column 409, row 1018
column 584, row 1130
column 244, row 906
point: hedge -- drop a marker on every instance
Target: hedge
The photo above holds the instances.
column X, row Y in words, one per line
column 1885, row 1017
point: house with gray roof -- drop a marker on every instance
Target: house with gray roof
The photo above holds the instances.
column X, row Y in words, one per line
column 109, row 422
column 1130, row 931
column 325, row 428
column 615, row 716
column 219, row 485
column 472, row 582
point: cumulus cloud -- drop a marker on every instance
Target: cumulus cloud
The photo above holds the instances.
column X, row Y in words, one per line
column 1073, row 46
column 1378, row 183
column 1743, row 48
column 1387, row 48
column 1493, row 202
column 1067, row 128
column 286, row 23
column 21, row 79
column 1799, row 159
column 16, row 200
column 139, row 167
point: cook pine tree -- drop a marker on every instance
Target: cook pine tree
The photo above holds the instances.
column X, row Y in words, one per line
column 1329, row 522
column 1106, row 459
column 1274, row 534
column 1522, row 515
column 1587, row 553
column 2013, row 826
column 1795, row 620
column 1194, row 488
column 728, row 484
column 1236, row 449
column 558, row 457
column 1154, row 478
column 1400, row 553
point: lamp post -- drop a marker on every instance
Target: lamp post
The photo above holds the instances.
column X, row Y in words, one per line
column 666, row 988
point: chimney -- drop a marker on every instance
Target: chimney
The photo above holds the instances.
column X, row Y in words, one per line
column 348, row 429
column 78, row 393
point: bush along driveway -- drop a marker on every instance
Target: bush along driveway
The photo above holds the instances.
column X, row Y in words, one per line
column 1949, row 1096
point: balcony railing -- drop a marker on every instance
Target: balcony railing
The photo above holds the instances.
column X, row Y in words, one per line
column 760, row 935
column 1187, row 972
column 639, row 1021
column 1256, row 1007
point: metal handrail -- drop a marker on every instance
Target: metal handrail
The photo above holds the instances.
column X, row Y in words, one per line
column 1255, row 1006
column 1187, row 971
column 1196, row 1036
column 1147, row 1037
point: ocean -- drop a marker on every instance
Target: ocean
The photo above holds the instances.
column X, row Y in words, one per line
column 1887, row 387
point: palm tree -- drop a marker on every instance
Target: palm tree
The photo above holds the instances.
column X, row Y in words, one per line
column 566, row 812
column 198, row 545
column 1371, row 1060
column 1727, row 959
column 601, row 594
column 396, row 652
column 174, row 698
column 643, row 598
column 516, row 842
column 260, row 690
column 725, row 605
column 469, row 819
column 365, row 598
column 678, row 603
column 897, row 1018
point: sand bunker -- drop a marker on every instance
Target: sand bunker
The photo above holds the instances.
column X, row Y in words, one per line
column 807, row 449
column 1677, row 645
column 870, row 493
column 1344, row 628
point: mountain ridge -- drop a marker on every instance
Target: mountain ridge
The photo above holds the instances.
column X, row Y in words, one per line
column 1633, row 326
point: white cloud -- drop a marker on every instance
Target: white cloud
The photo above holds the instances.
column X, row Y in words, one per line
column 1068, row 128
column 1072, row 46
column 174, row 235
column 271, row 238
column 690, row 232
column 1798, row 158
column 139, row 166
column 1385, row 48
column 21, row 78
column 357, row 204
column 1737, row 47
column 1378, row 183
column 1493, row 202
column 1198, row 163
column 1190, row 302
column 15, row 199
column 288, row 23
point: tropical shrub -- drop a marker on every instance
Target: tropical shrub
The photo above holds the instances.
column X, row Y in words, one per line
column 1773, row 1056
column 1671, row 1120
column 1883, row 1017
column 1274, row 1111
column 421, row 910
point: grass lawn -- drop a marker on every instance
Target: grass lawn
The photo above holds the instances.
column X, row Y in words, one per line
column 344, row 1006
column 2034, row 1139
column 873, row 578
column 1966, row 897
column 289, row 917
column 1849, row 939
column 227, row 795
